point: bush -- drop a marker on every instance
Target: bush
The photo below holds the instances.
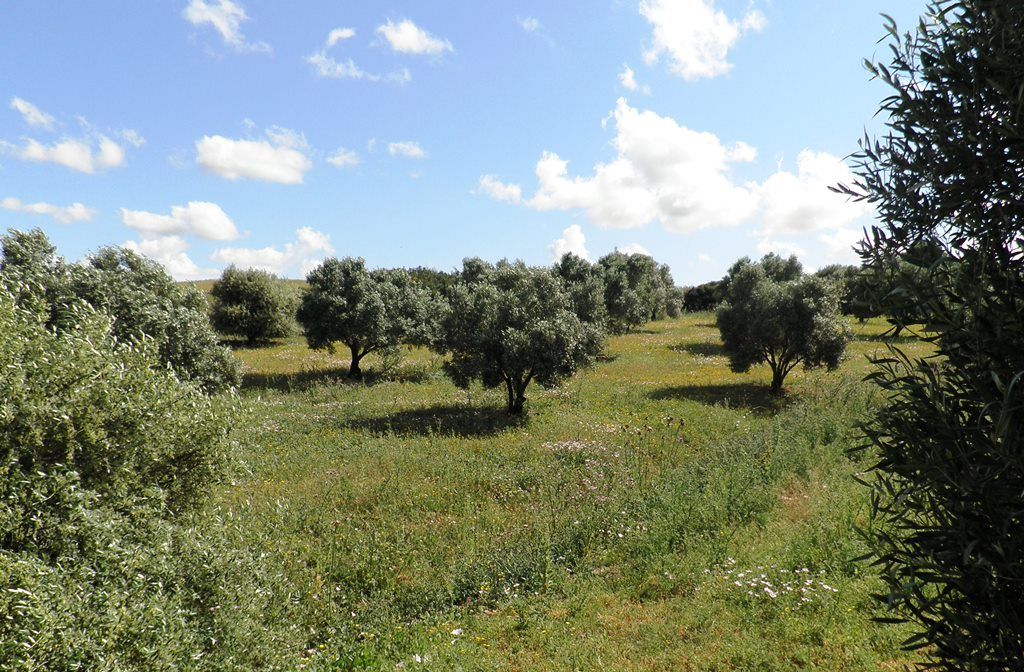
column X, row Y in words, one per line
column 104, row 454
column 946, row 181
column 252, row 304
column 142, row 300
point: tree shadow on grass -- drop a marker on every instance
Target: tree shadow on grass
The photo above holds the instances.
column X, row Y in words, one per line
column 883, row 338
column 753, row 397
column 441, row 420
column 338, row 375
column 700, row 349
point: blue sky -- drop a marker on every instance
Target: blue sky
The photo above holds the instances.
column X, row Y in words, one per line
column 271, row 134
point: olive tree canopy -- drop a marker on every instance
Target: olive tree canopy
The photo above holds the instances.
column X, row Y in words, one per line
column 781, row 322
column 367, row 311
column 512, row 328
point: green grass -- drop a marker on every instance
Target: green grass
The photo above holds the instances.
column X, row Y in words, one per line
column 605, row 532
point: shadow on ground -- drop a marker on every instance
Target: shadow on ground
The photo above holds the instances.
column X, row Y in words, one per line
column 754, row 397
column 303, row 380
column 700, row 349
column 888, row 338
column 444, row 420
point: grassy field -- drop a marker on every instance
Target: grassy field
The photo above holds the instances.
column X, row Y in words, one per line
column 657, row 512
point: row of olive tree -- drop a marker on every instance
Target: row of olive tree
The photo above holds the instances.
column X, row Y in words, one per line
column 502, row 325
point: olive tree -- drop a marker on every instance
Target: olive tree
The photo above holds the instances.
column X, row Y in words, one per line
column 948, row 534
column 252, row 304
column 783, row 323
column 515, row 327
column 367, row 311
column 584, row 284
column 142, row 300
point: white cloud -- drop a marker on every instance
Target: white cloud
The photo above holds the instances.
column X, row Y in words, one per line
column 529, row 24
column 405, row 37
column 343, row 158
column 663, row 172
column 840, row 245
column 303, row 254
column 683, row 178
column 339, row 35
column 633, row 248
column 499, row 191
column 83, row 155
column 695, row 35
column 133, row 138
column 330, row 68
column 705, row 258
column 783, row 248
column 226, row 18
column 795, row 203
column 171, row 253
column 204, row 220
column 76, row 212
column 572, row 240
column 32, row 115
column 410, row 150
column 627, row 78
column 280, row 158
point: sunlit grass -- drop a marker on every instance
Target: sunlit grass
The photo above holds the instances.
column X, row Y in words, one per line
column 593, row 536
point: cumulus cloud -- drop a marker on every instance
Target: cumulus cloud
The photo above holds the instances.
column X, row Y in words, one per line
column 303, row 254
column 410, row 150
column 800, row 202
column 499, row 191
column 197, row 218
column 280, row 158
column 783, row 248
column 339, row 35
column 683, row 178
column 695, row 36
column 171, row 253
column 633, row 248
column 573, row 241
column 226, row 18
column 31, row 114
column 88, row 155
column 325, row 65
column 627, row 78
column 343, row 158
column 76, row 212
column 405, row 37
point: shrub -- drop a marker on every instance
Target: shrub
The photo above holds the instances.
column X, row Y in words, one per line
column 104, row 454
column 782, row 322
column 142, row 300
column 252, row 304
column 947, row 530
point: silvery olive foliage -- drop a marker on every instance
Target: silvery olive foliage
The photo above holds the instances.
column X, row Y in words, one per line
column 142, row 300
column 946, row 179
column 584, row 283
column 772, row 314
column 515, row 326
column 367, row 311
column 105, row 457
column 253, row 304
